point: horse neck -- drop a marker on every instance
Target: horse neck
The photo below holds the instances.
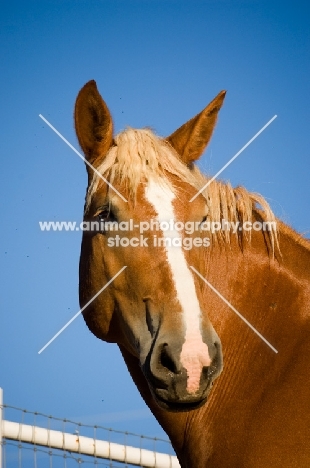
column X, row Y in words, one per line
column 272, row 294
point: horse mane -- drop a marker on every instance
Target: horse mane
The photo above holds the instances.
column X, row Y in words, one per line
column 139, row 155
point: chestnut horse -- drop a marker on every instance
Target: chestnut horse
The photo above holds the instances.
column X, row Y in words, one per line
column 169, row 311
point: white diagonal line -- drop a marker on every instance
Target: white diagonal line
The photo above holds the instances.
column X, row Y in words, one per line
column 82, row 157
column 235, row 310
column 234, row 157
column 81, row 310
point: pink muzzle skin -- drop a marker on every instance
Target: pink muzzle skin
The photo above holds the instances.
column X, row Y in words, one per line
column 194, row 356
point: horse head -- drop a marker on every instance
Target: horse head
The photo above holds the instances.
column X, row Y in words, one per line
column 140, row 216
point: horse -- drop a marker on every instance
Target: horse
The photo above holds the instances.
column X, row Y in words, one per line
column 174, row 280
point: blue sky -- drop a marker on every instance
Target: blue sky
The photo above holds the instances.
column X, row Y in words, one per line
column 156, row 63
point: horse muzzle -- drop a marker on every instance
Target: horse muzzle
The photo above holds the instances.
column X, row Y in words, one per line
column 171, row 384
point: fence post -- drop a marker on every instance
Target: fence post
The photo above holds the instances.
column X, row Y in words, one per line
column 1, row 411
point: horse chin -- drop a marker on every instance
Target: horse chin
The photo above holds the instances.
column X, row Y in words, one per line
column 178, row 407
column 186, row 403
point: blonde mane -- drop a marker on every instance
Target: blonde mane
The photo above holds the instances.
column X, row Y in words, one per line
column 139, row 155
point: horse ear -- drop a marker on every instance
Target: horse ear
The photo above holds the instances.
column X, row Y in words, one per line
column 93, row 123
column 191, row 139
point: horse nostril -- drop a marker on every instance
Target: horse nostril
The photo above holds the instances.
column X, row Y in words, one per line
column 217, row 361
column 166, row 359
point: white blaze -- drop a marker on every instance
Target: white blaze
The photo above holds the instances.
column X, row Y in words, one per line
column 194, row 354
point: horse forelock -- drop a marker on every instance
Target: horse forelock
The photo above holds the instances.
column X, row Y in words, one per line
column 139, row 156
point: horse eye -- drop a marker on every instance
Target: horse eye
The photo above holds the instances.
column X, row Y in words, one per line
column 204, row 219
column 103, row 215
